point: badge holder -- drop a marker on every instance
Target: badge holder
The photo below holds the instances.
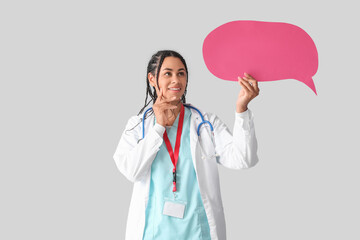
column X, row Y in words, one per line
column 173, row 207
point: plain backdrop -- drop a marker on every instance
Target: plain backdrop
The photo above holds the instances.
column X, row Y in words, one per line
column 73, row 72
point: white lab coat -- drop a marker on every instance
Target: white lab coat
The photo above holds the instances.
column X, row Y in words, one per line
column 235, row 151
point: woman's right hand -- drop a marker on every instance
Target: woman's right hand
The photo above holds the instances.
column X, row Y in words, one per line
column 163, row 110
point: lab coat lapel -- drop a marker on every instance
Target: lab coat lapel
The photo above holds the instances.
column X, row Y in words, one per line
column 149, row 123
column 194, row 139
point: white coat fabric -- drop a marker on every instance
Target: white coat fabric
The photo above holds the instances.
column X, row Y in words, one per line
column 133, row 158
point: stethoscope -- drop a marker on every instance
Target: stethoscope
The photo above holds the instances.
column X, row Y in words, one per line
column 203, row 121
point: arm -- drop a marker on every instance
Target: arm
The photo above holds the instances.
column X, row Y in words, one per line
column 237, row 150
column 133, row 158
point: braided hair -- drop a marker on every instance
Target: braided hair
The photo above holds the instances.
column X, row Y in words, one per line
column 153, row 67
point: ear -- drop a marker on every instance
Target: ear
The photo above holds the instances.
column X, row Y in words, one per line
column 151, row 79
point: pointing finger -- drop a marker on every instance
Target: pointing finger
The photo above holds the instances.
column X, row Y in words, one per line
column 159, row 97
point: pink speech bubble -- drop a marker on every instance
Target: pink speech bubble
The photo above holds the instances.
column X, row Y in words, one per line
column 269, row 51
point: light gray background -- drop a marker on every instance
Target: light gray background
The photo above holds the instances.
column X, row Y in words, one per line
column 73, row 72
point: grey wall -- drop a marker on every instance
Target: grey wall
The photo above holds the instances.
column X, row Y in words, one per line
column 73, row 72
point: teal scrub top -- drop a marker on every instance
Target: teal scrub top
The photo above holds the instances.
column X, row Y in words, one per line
column 194, row 225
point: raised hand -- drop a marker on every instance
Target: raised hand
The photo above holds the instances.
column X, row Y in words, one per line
column 163, row 110
column 249, row 90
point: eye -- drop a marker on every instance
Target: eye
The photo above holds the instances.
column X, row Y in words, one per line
column 181, row 73
column 167, row 73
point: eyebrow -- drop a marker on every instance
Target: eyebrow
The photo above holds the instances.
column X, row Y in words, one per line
column 171, row 69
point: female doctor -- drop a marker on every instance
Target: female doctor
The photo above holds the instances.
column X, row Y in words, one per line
column 171, row 153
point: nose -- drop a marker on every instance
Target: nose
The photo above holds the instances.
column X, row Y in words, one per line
column 175, row 79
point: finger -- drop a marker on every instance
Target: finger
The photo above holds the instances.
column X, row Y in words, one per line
column 246, row 84
column 248, row 75
column 161, row 94
column 241, row 82
column 169, row 100
column 248, row 79
column 164, row 99
column 166, row 106
column 244, row 88
column 160, row 97
column 170, row 106
column 254, row 83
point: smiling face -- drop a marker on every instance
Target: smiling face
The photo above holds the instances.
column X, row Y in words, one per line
column 172, row 78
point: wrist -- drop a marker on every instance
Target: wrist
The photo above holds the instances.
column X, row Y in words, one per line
column 241, row 109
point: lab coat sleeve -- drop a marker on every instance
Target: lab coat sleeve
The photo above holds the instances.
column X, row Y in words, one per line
column 237, row 150
column 133, row 158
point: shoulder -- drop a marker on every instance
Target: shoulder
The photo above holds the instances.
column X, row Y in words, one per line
column 138, row 118
column 133, row 124
column 134, row 119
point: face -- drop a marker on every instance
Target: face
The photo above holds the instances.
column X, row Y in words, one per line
column 172, row 78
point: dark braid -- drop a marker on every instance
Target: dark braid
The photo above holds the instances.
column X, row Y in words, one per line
column 154, row 67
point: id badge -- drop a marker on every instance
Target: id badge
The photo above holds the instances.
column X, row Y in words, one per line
column 174, row 208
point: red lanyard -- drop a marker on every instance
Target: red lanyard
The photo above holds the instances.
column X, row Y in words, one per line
column 175, row 156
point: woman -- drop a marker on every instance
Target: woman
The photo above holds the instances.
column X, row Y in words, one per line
column 173, row 162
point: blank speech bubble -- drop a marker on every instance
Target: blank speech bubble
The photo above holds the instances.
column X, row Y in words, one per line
column 268, row 51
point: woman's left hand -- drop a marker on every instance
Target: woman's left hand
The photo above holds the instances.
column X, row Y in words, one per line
column 249, row 90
